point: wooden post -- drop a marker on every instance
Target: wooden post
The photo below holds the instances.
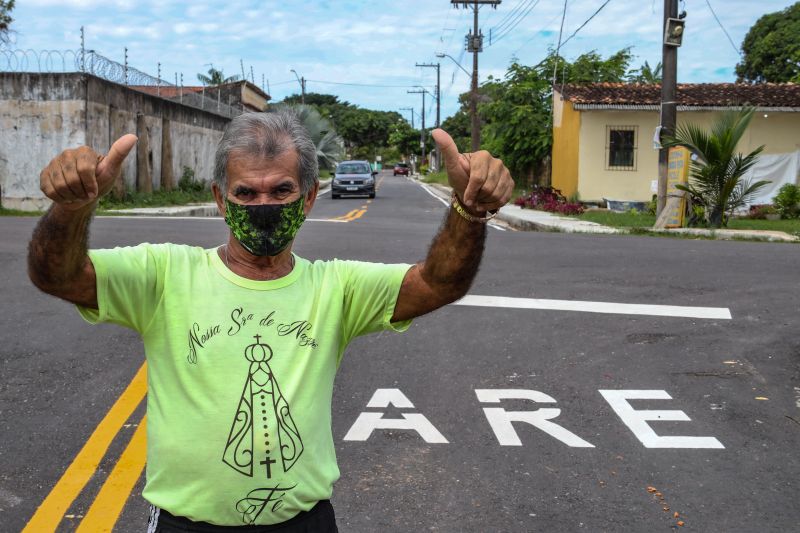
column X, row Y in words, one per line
column 167, row 175
column 144, row 178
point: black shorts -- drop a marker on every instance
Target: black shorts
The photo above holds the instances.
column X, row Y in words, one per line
column 318, row 519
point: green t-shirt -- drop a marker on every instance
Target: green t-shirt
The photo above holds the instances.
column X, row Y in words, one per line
column 240, row 373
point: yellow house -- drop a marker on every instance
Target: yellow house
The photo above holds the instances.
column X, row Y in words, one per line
column 603, row 132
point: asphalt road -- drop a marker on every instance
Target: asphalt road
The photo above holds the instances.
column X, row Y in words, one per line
column 582, row 462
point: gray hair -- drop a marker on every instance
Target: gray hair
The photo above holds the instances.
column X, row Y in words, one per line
column 267, row 135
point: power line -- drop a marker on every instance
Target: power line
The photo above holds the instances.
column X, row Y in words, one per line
column 599, row 9
column 363, row 84
column 519, row 19
column 558, row 48
column 536, row 33
column 509, row 15
column 723, row 28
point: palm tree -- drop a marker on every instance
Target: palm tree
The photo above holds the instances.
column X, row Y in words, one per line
column 646, row 74
column 330, row 145
column 717, row 169
column 215, row 77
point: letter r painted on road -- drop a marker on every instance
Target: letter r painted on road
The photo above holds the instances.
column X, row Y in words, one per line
column 367, row 422
column 637, row 420
column 501, row 420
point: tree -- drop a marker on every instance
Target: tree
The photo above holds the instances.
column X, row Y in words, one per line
column 516, row 111
column 330, row 146
column 216, row 77
column 591, row 67
column 716, row 173
column 646, row 74
column 406, row 139
column 6, row 6
column 517, row 114
column 771, row 49
column 459, row 125
column 315, row 99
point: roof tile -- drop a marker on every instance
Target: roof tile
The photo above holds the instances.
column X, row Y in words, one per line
column 689, row 94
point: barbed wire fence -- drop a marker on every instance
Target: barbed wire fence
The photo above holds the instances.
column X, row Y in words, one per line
column 91, row 62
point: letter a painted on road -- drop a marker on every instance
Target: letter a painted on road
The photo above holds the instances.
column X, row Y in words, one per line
column 501, row 420
column 367, row 422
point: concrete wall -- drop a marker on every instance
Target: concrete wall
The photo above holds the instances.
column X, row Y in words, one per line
column 779, row 131
column 44, row 114
column 40, row 115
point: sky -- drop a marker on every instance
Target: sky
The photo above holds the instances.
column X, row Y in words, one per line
column 335, row 43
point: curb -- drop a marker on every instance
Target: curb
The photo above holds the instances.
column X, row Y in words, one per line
column 508, row 216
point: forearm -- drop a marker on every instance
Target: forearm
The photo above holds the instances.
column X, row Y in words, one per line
column 454, row 256
column 57, row 253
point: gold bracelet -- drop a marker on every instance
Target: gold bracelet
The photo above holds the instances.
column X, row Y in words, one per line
column 456, row 204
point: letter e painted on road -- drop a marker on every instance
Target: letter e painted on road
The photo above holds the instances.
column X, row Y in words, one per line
column 637, row 420
column 501, row 420
column 367, row 422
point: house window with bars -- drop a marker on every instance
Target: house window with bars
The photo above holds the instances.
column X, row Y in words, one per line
column 621, row 144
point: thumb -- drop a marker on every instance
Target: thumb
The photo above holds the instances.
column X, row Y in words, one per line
column 112, row 162
column 453, row 160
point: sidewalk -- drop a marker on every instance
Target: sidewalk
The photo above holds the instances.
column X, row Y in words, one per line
column 533, row 220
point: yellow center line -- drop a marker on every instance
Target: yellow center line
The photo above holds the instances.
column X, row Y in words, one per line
column 347, row 216
column 358, row 213
column 51, row 511
column 107, row 506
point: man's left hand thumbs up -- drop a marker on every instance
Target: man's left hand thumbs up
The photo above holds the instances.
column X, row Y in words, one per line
column 482, row 182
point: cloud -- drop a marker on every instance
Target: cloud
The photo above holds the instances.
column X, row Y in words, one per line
column 373, row 42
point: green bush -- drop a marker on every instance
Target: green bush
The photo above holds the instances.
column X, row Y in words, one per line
column 423, row 169
column 652, row 205
column 787, row 201
column 188, row 183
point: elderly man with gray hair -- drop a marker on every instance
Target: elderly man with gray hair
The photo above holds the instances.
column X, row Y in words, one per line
column 243, row 340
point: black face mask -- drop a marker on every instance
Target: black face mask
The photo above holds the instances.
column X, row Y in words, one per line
column 265, row 229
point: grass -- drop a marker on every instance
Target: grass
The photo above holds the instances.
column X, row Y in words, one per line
column 158, row 198
column 16, row 213
column 644, row 221
column 441, row 178
column 436, row 177
column 619, row 220
column 789, row 225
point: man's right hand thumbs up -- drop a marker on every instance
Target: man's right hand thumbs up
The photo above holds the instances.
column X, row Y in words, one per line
column 77, row 178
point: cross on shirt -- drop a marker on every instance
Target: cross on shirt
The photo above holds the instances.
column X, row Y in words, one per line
column 269, row 462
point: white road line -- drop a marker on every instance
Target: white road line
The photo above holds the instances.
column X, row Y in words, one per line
column 153, row 217
column 156, row 217
column 719, row 313
column 445, row 202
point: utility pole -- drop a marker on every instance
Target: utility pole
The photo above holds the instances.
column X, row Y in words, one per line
column 422, row 131
column 672, row 38
column 412, row 114
column 437, row 66
column 475, row 45
column 302, row 82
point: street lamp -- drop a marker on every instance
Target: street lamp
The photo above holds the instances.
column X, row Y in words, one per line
column 440, row 54
column 302, row 82
column 475, row 125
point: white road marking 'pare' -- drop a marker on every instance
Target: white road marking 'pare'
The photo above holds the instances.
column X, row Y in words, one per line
column 712, row 313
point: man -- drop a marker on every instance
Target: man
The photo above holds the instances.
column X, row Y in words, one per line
column 243, row 341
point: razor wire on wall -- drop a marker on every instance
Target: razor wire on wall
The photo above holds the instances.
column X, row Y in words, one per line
column 90, row 62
